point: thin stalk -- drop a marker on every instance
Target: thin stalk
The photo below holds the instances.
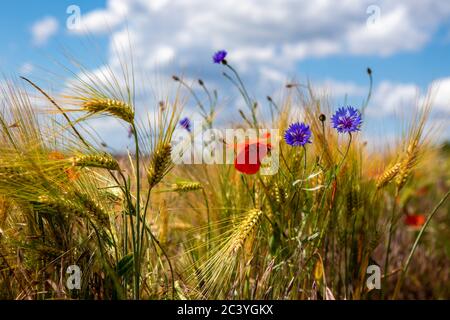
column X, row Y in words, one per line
column 369, row 94
column 208, row 218
column 166, row 256
column 208, row 94
column 416, row 243
column 192, row 92
column 346, row 151
column 59, row 108
column 144, row 215
column 226, row 75
column 391, row 229
column 246, row 96
column 138, row 212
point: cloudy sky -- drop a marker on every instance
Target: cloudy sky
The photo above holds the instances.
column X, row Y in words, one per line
column 330, row 43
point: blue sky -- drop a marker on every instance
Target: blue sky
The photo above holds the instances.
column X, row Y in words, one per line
column 406, row 43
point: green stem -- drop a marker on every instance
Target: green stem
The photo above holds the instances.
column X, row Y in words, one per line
column 369, row 95
column 138, row 226
column 60, row 109
column 416, row 243
column 244, row 90
column 386, row 261
column 192, row 92
column 346, row 151
column 144, row 215
column 208, row 240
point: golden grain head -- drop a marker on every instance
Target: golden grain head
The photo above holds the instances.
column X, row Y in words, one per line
column 388, row 175
column 119, row 109
column 96, row 161
column 186, row 186
column 246, row 228
column 407, row 165
column 280, row 194
column 93, row 208
column 76, row 204
column 159, row 165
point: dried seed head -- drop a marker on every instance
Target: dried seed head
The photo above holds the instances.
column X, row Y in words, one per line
column 96, row 161
column 119, row 109
column 159, row 165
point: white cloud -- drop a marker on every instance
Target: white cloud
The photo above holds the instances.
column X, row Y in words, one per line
column 103, row 20
column 313, row 48
column 327, row 24
column 395, row 31
column 340, row 88
column 440, row 93
column 266, row 38
column 182, row 35
column 26, row 68
column 43, row 30
column 390, row 97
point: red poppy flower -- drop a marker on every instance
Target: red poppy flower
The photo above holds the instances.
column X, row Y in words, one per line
column 415, row 220
column 250, row 154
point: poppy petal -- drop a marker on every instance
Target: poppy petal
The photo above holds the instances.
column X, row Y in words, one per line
column 249, row 157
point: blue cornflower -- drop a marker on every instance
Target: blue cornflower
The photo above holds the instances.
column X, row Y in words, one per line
column 219, row 56
column 186, row 124
column 298, row 134
column 347, row 120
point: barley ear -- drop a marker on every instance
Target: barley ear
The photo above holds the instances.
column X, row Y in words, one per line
column 159, row 165
column 119, row 109
column 96, row 161
column 407, row 164
column 247, row 228
column 388, row 175
column 186, row 186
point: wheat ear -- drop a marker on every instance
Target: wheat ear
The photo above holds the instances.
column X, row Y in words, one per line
column 119, row 109
column 186, row 186
column 159, row 165
column 388, row 175
column 96, row 161
column 407, row 164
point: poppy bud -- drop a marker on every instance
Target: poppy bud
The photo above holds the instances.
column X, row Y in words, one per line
column 322, row 117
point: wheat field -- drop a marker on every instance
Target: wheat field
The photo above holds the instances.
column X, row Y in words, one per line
column 337, row 219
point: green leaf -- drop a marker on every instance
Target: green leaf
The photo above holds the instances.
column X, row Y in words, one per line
column 125, row 265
